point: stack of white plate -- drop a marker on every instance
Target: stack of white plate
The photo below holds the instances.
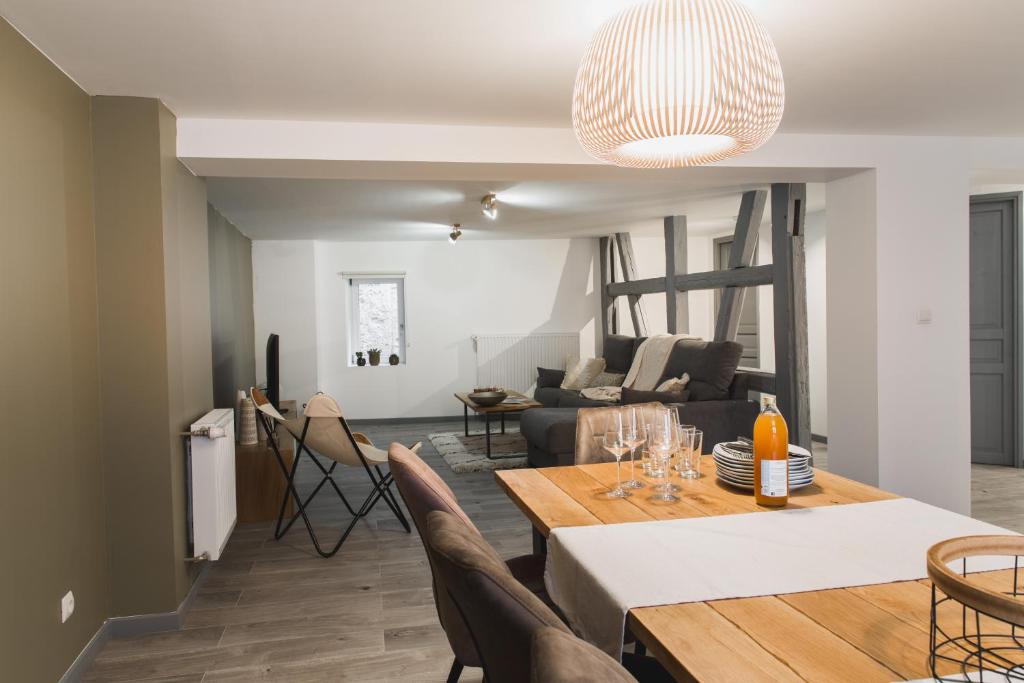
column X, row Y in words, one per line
column 734, row 464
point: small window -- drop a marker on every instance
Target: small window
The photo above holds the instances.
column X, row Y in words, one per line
column 378, row 316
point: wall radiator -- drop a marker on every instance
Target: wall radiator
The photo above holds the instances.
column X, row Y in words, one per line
column 511, row 360
column 211, row 466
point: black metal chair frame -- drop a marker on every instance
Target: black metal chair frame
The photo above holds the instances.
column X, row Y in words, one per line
column 381, row 487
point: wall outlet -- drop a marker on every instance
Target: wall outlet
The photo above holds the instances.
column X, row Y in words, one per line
column 67, row 606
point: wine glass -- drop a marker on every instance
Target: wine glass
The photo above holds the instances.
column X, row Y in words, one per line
column 634, row 435
column 664, row 441
column 615, row 443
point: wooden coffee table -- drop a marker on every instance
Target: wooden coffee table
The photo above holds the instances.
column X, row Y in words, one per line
column 500, row 409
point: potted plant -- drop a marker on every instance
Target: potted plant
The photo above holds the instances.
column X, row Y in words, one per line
column 393, row 359
column 374, row 355
column 360, row 361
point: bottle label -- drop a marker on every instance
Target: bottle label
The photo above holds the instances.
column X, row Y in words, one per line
column 774, row 478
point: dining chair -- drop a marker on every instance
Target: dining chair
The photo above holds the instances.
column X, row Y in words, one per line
column 322, row 428
column 590, row 423
column 424, row 492
column 559, row 657
column 502, row 615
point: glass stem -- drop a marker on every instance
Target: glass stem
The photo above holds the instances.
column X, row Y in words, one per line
column 632, row 464
column 618, row 473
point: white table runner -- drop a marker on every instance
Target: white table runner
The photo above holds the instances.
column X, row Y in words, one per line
column 596, row 574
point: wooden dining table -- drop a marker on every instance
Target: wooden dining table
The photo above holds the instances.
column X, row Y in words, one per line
column 864, row 634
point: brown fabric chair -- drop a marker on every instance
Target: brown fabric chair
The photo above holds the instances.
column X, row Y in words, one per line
column 559, row 657
column 501, row 614
column 591, row 423
column 424, row 492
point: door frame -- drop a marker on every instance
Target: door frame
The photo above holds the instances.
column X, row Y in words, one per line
column 1016, row 200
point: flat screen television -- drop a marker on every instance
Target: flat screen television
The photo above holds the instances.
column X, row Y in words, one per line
column 273, row 371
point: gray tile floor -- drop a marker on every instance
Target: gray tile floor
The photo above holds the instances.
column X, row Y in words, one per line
column 275, row 611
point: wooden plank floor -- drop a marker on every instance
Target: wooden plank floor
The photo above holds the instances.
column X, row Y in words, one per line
column 275, row 611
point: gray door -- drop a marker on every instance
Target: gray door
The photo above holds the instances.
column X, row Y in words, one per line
column 747, row 333
column 993, row 324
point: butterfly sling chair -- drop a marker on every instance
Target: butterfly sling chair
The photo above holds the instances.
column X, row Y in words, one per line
column 322, row 428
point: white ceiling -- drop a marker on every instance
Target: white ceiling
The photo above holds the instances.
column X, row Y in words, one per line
column 879, row 66
column 371, row 210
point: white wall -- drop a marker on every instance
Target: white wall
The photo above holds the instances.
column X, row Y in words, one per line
column 452, row 293
column 817, row 333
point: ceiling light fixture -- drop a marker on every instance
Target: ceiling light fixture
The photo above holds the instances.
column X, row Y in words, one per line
column 489, row 206
column 455, row 234
column 670, row 83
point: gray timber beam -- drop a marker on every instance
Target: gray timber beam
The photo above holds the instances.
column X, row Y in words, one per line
column 677, row 311
column 715, row 279
column 608, row 320
column 744, row 243
column 790, row 299
column 624, row 245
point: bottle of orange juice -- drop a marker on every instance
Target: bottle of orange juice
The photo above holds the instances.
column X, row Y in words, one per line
column 771, row 456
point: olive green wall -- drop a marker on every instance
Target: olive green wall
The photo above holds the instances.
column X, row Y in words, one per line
column 155, row 358
column 231, row 311
column 51, row 488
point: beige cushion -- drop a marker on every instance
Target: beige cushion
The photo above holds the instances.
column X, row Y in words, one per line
column 609, row 379
column 674, row 385
column 580, row 375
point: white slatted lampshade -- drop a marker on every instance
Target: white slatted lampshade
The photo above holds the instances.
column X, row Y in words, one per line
column 672, row 83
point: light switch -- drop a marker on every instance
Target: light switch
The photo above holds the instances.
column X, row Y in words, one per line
column 924, row 316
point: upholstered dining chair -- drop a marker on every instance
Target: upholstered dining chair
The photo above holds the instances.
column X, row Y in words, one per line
column 424, row 492
column 322, row 428
column 590, row 423
column 501, row 614
column 560, row 657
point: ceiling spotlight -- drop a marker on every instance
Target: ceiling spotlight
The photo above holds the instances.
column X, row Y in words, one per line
column 455, row 234
column 489, row 205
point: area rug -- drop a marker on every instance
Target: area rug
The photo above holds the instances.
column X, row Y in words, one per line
column 469, row 453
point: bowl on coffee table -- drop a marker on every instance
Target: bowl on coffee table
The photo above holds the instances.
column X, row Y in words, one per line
column 488, row 398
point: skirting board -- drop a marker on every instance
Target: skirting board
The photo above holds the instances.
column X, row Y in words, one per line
column 136, row 625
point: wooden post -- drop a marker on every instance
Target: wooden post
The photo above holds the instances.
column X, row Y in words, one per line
column 677, row 311
column 790, row 299
column 744, row 243
column 624, row 245
column 609, row 323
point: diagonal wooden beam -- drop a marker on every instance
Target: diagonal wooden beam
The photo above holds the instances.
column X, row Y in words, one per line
column 792, row 387
column 677, row 312
column 744, row 243
column 624, row 245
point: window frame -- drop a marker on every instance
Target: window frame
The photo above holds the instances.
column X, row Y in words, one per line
column 354, row 281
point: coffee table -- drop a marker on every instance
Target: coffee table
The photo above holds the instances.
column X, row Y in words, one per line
column 467, row 404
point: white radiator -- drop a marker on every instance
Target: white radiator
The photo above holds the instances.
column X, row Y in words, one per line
column 511, row 360
column 212, row 482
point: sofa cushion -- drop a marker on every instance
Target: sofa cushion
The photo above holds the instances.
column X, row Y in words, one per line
column 631, row 396
column 572, row 399
column 711, row 366
column 582, row 373
column 547, row 396
column 547, row 378
column 551, row 429
column 618, row 352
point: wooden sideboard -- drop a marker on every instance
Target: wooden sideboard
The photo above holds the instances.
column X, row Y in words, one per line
column 259, row 483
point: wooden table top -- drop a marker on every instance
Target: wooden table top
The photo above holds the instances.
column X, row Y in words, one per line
column 865, row 634
column 501, row 407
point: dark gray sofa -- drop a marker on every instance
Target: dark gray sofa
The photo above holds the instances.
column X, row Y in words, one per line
column 718, row 404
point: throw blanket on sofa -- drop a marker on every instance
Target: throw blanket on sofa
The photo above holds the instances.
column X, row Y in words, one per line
column 646, row 371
